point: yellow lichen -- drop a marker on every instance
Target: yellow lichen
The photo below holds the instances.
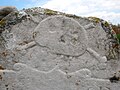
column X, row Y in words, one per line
column 2, row 23
column 106, row 24
column 94, row 19
column 50, row 12
column 71, row 16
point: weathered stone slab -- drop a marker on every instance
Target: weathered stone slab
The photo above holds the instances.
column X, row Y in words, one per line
column 56, row 54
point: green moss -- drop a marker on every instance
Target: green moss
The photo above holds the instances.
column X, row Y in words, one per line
column 50, row 12
column 118, row 37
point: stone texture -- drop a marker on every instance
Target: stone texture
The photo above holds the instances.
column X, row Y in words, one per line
column 43, row 52
column 5, row 10
column 61, row 35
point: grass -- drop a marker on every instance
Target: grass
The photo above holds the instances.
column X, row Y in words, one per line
column 118, row 37
column 116, row 28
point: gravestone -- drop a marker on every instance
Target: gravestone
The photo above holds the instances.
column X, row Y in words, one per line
column 56, row 52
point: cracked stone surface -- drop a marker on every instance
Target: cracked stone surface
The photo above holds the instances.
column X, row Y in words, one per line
column 56, row 53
